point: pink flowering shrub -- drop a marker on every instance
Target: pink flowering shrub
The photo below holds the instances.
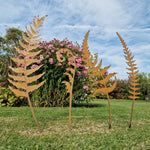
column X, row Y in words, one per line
column 53, row 92
column 86, row 88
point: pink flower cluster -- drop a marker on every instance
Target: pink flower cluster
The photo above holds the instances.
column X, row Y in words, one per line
column 19, row 65
column 106, row 73
column 59, row 64
column 34, row 66
column 2, row 83
column 86, row 88
column 79, row 62
column 51, row 60
column 21, row 55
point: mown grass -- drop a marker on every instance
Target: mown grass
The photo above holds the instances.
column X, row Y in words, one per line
column 89, row 127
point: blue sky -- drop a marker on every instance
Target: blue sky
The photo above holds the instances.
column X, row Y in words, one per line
column 73, row 18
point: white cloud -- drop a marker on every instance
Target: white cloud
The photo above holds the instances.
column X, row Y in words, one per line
column 103, row 18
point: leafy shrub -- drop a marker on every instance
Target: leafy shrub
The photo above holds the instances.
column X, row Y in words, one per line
column 8, row 98
column 53, row 92
column 121, row 90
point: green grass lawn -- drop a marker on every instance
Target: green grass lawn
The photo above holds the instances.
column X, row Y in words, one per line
column 90, row 131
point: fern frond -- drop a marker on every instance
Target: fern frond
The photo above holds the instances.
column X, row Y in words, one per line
column 95, row 68
column 71, row 68
column 18, row 92
column 34, row 78
column 95, row 72
column 89, row 60
column 19, row 85
column 70, row 77
column 130, row 62
column 99, row 73
column 21, row 51
column 106, row 90
column 32, row 43
column 34, row 87
column 28, row 47
column 133, row 77
column 86, row 52
column 30, row 71
column 17, row 70
column 31, row 35
column 68, row 86
column 105, row 80
column 30, row 40
column 17, row 78
column 20, row 61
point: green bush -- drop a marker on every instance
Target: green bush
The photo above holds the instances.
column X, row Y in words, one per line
column 53, row 92
column 8, row 98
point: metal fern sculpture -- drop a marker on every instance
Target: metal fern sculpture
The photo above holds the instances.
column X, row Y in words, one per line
column 93, row 71
column 70, row 73
column 22, row 80
column 133, row 77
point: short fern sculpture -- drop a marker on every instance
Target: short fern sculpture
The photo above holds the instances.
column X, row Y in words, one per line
column 133, row 77
column 71, row 75
column 95, row 71
column 22, row 79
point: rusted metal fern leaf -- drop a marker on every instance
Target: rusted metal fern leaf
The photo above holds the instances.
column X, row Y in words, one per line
column 95, row 71
column 133, row 77
column 71, row 74
column 22, row 80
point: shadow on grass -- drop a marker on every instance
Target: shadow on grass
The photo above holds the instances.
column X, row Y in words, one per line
column 89, row 105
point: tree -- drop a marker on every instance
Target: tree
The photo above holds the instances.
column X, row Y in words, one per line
column 7, row 44
column 145, row 85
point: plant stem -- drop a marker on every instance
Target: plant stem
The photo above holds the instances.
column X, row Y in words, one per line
column 131, row 113
column 109, row 111
column 70, row 105
column 33, row 113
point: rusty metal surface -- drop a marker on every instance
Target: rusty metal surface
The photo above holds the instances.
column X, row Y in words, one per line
column 133, row 75
column 21, row 81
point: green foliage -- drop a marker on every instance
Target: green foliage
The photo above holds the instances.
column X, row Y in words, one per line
column 83, row 93
column 8, row 98
column 53, row 92
column 144, row 85
column 7, row 44
column 121, row 90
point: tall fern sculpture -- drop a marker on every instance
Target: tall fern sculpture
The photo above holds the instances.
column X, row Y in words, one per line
column 22, row 80
column 133, row 77
column 70, row 73
column 93, row 71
